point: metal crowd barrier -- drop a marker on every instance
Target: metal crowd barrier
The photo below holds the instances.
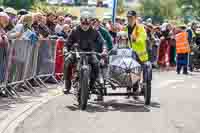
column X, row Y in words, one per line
column 22, row 62
column 46, row 59
column 4, row 56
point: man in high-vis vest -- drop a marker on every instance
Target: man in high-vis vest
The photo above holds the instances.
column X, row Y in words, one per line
column 182, row 50
column 137, row 37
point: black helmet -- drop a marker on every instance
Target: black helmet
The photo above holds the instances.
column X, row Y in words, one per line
column 22, row 12
column 131, row 13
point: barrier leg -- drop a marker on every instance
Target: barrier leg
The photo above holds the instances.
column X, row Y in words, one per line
column 19, row 88
column 37, row 82
column 28, row 87
column 40, row 80
column 13, row 91
column 46, row 78
column 53, row 77
column 60, row 76
column 8, row 92
column 29, row 84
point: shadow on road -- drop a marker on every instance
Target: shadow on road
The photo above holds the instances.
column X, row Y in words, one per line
column 114, row 105
column 152, row 105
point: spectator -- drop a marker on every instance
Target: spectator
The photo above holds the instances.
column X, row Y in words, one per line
column 51, row 23
column 155, row 47
column 4, row 21
column 23, row 29
column 22, row 12
column 59, row 25
column 12, row 13
column 104, row 33
column 44, row 20
column 68, row 21
column 190, row 40
column 65, row 31
column 37, row 19
column 150, row 40
column 112, row 30
column 164, row 51
column 43, row 32
column 182, row 50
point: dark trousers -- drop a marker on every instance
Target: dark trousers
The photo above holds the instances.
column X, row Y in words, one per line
column 154, row 53
column 182, row 62
column 95, row 67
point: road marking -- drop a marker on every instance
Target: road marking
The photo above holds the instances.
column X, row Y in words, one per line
column 174, row 87
column 169, row 82
column 194, row 86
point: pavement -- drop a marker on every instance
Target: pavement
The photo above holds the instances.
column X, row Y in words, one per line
column 174, row 109
column 11, row 110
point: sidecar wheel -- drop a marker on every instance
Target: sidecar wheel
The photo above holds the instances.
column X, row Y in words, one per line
column 147, row 93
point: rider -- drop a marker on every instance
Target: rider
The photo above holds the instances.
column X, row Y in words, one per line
column 86, row 38
column 137, row 38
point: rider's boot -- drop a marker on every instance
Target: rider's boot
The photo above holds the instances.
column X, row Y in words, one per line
column 136, row 90
column 128, row 91
column 67, row 87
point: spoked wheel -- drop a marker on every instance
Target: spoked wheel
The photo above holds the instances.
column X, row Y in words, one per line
column 84, row 89
column 147, row 92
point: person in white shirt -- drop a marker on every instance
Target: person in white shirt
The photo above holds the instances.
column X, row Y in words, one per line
column 60, row 24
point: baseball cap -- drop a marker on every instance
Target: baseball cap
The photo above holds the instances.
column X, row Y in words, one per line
column 22, row 12
column 1, row 9
column 131, row 13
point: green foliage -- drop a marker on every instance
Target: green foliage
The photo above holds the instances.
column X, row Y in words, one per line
column 165, row 9
column 120, row 7
column 18, row 4
column 1, row 2
column 195, row 4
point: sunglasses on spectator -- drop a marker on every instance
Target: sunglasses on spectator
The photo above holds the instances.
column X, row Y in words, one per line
column 85, row 23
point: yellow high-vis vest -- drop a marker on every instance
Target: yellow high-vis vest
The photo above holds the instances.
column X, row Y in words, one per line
column 139, row 45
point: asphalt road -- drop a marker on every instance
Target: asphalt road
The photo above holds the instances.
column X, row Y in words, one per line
column 175, row 108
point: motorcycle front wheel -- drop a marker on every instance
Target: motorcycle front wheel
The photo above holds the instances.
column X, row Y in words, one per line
column 84, row 89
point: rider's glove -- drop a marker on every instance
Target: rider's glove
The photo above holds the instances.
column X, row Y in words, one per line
column 105, row 52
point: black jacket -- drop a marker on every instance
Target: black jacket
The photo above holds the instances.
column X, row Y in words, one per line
column 87, row 40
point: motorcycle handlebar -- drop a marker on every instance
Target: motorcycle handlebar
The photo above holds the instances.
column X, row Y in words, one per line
column 85, row 53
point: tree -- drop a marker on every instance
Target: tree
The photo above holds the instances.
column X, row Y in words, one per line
column 159, row 8
column 195, row 4
column 120, row 7
column 19, row 4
